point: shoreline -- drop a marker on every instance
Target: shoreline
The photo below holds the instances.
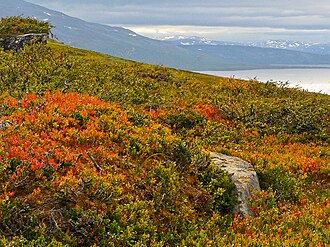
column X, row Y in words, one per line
column 311, row 79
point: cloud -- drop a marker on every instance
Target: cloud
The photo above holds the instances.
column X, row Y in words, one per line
column 197, row 12
column 295, row 15
column 230, row 33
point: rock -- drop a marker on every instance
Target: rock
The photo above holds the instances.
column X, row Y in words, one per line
column 17, row 42
column 243, row 176
column 4, row 124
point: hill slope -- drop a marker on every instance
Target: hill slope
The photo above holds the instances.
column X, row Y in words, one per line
column 115, row 41
column 99, row 150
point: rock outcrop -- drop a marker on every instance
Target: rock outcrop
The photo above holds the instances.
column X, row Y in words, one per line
column 16, row 43
column 243, row 176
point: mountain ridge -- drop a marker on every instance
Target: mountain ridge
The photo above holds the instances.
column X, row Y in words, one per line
column 308, row 47
column 116, row 41
column 261, row 54
column 124, row 43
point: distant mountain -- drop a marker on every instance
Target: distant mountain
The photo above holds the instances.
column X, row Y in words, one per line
column 194, row 40
column 310, row 47
column 115, row 41
column 283, row 44
column 315, row 48
column 319, row 49
column 259, row 54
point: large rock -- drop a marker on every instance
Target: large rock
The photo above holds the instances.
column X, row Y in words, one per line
column 243, row 176
column 18, row 42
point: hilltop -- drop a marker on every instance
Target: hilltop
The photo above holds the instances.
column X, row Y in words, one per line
column 100, row 151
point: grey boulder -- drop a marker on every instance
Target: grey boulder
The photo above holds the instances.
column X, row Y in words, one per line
column 244, row 178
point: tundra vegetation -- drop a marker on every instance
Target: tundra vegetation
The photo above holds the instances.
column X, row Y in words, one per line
column 99, row 151
column 15, row 25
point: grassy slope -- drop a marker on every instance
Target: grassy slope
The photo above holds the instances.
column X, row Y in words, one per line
column 150, row 129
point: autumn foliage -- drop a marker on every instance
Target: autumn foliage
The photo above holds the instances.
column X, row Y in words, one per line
column 98, row 151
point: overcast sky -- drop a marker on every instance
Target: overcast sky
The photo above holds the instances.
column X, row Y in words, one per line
column 229, row 20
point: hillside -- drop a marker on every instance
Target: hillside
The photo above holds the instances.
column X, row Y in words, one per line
column 116, row 41
column 101, row 151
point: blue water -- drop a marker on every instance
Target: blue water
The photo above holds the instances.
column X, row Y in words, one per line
column 311, row 79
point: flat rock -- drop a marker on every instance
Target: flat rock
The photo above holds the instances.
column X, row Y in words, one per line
column 17, row 42
column 243, row 176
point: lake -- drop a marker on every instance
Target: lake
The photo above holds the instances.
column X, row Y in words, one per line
column 311, row 79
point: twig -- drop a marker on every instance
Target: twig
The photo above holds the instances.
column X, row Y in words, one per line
column 53, row 218
column 98, row 167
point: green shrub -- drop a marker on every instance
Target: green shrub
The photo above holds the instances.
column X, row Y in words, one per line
column 17, row 25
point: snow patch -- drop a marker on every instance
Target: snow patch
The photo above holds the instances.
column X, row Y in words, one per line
column 187, row 43
column 168, row 37
column 283, row 44
column 181, row 37
column 174, row 37
column 209, row 42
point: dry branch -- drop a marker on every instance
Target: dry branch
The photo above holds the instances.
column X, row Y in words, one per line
column 98, row 167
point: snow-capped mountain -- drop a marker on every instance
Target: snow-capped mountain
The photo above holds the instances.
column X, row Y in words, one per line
column 283, row 44
column 261, row 54
column 276, row 44
column 309, row 47
column 193, row 40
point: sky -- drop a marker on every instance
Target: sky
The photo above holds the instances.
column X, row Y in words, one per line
column 229, row 20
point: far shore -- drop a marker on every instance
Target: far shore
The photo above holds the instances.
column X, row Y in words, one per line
column 307, row 78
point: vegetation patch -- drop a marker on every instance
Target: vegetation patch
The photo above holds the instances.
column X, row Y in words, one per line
column 99, row 151
column 16, row 25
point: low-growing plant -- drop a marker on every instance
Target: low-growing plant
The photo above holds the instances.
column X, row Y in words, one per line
column 17, row 25
column 96, row 150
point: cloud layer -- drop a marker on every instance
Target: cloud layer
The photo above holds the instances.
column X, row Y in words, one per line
column 297, row 17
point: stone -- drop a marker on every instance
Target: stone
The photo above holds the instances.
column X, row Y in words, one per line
column 17, row 42
column 4, row 124
column 244, row 178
